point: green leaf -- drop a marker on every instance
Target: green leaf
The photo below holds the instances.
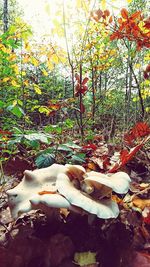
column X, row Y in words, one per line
column 37, row 137
column 15, row 110
column 1, row 104
column 72, row 145
column 17, row 130
column 80, row 158
column 45, row 160
column 64, row 148
column 85, row 258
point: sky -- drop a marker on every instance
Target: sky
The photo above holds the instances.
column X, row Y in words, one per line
column 40, row 13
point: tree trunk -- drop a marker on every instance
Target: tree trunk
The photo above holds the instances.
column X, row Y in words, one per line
column 5, row 15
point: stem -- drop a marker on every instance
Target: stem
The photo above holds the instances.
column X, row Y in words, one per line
column 80, row 103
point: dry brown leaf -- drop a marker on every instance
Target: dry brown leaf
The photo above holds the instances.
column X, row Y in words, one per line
column 141, row 203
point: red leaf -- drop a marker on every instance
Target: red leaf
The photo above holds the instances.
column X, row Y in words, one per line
column 77, row 76
column 85, row 80
column 77, row 87
column 114, row 36
column 82, row 108
column 146, row 76
column 2, row 132
column 124, row 13
column 106, row 13
column 83, row 89
column 141, row 129
column 126, row 156
column 148, row 68
column 135, row 15
column 147, row 23
column 90, row 146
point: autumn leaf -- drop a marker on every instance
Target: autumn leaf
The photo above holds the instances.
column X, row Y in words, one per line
column 77, row 76
column 124, row 13
column 6, row 79
column 140, row 203
column 135, row 15
column 45, row 192
column 106, row 13
column 85, row 80
column 141, row 129
column 82, row 108
column 89, row 146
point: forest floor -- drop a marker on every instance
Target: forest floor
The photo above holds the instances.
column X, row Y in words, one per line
column 70, row 240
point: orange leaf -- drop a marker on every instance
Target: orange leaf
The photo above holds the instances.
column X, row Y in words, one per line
column 106, row 13
column 141, row 203
column 124, row 13
column 44, row 192
column 135, row 15
column 110, row 19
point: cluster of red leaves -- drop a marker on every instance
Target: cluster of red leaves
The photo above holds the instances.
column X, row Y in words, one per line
column 129, row 27
column 97, row 15
column 141, row 129
column 81, row 86
column 147, row 72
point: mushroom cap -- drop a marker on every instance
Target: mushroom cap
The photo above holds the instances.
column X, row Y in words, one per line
column 58, row 186
column 118, row 182
column 33, row 182
column 103, row 209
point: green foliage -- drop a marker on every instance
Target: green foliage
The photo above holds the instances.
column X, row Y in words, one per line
column 45, row 160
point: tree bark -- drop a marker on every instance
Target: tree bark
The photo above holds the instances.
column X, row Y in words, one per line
column 5, row 15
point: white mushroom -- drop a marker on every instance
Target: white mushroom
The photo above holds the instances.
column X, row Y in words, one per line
column 118, row 182
column 104, row 209
column 67, row 186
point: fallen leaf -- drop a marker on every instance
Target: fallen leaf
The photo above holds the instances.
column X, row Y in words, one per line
column 141, row 203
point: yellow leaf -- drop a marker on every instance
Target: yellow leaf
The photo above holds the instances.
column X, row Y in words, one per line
column 26, row 58
column 27, row 46
column 103, row 4
column 14, row 83
column 14, row 103
column 50, row 65
column 45, row 73
column 137, row 66
column 147, row 109
column 34, row 61
column 26, row 82
column 129, row 1
column 147, row 57
column 85, row 258
column 55, row 59
column 6, row 79
column 12, row 57
column 37, row 89
column 23, row 73
column 16, row 69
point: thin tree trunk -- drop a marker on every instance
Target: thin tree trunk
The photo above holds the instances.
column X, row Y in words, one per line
column 81, row 104
column 139, row 91
column 5, row 15
column 93, row 93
